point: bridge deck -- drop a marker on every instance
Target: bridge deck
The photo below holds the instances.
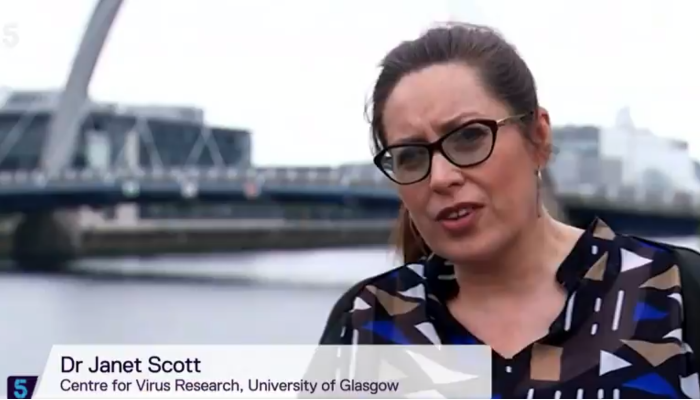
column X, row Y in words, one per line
column 93, row 187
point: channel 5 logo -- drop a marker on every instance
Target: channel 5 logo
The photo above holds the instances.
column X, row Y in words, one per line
column 21, row 387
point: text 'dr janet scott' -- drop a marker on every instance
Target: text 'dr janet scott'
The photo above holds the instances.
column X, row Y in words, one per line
column 275, row 371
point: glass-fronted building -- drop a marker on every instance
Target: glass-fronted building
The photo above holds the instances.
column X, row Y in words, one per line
column 166, row 137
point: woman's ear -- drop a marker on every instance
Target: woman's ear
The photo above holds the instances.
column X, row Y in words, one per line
column 542, row 137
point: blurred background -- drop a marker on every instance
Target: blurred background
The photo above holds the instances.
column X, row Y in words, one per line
column 198, row 172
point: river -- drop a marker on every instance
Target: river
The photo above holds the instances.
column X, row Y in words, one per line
column 266, row 297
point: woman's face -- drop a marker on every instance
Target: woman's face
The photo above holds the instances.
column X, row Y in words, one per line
column 464, row 214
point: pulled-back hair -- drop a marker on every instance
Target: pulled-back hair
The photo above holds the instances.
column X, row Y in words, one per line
column 503, row 72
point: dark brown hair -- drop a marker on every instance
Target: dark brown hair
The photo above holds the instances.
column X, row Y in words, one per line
column 503, row 72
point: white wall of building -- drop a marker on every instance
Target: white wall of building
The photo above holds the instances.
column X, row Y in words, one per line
column 641, row 151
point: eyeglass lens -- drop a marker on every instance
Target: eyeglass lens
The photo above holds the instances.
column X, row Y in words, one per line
column 463, row 147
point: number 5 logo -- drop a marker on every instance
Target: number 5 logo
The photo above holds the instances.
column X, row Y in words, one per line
column 21, row 387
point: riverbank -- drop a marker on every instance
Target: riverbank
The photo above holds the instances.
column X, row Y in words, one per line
column 211, row 237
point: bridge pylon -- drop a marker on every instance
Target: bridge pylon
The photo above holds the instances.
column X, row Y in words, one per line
column 42, row 237
column 46, row 241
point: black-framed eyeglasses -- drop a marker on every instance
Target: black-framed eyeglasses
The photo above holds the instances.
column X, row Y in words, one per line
column 466, row 146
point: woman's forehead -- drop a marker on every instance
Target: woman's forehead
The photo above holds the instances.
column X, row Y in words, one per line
column 436, row 98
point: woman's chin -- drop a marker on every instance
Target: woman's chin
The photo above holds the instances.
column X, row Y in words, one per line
column 473, row 250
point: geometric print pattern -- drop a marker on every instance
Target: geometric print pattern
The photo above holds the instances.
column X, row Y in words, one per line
column 619, row 336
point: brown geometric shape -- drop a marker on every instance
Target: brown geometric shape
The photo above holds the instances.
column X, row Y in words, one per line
column 667, row 280
column 392, row 304
column 603, row 231
column 597, row 271
column 655, row 353
column 545, row 363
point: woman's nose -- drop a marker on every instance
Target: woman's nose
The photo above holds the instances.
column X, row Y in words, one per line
column 444, row 175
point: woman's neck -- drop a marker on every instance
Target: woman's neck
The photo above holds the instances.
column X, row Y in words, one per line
column 529, row 264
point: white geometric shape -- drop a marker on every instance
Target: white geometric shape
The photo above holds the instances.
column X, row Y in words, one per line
column 355, row 340
column 428, row 330
column 610, row 362
column 416, row 292
column 594, row 249
column 419, row 269
column 690, row 385
column 685, row 348
column 568, row 317
column 675, row 334
column 677, row 297
column 632, row 260
column 437, row 373
column 594, row 329
column 388, row 372
column 360, row 304
column 618, row 309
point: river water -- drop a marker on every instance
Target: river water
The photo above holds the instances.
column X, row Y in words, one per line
column 266, row 297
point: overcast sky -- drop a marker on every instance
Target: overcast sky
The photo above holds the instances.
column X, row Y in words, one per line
column 297, row 73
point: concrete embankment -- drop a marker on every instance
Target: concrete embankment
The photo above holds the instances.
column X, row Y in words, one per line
column 193, row 237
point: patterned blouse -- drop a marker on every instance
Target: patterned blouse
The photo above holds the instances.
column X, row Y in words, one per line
column 619, row 336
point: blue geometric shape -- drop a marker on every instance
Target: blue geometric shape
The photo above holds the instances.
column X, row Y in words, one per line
column 643, row 311
column 653, row 383
column 388, row 331
column 463, row 339
column 652, row 246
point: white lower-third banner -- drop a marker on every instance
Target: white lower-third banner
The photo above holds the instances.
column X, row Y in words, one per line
column 255, row 371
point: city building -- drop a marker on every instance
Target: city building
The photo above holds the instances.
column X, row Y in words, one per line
column 622, row 156
column 649, row 161
column 166, row 136
column 122, row 136
column 579, row 159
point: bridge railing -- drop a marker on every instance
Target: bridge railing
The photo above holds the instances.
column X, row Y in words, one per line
column 627, row 197
column 636, row 198
column 281, row 176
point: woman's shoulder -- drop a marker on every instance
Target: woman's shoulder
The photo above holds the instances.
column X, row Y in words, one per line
column 650, row 268
column 639, row 251
column 634, row 251
column 388, row 282
column 633, row 260
column 362, row 294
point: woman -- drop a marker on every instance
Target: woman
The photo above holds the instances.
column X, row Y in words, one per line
column 568, row 313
